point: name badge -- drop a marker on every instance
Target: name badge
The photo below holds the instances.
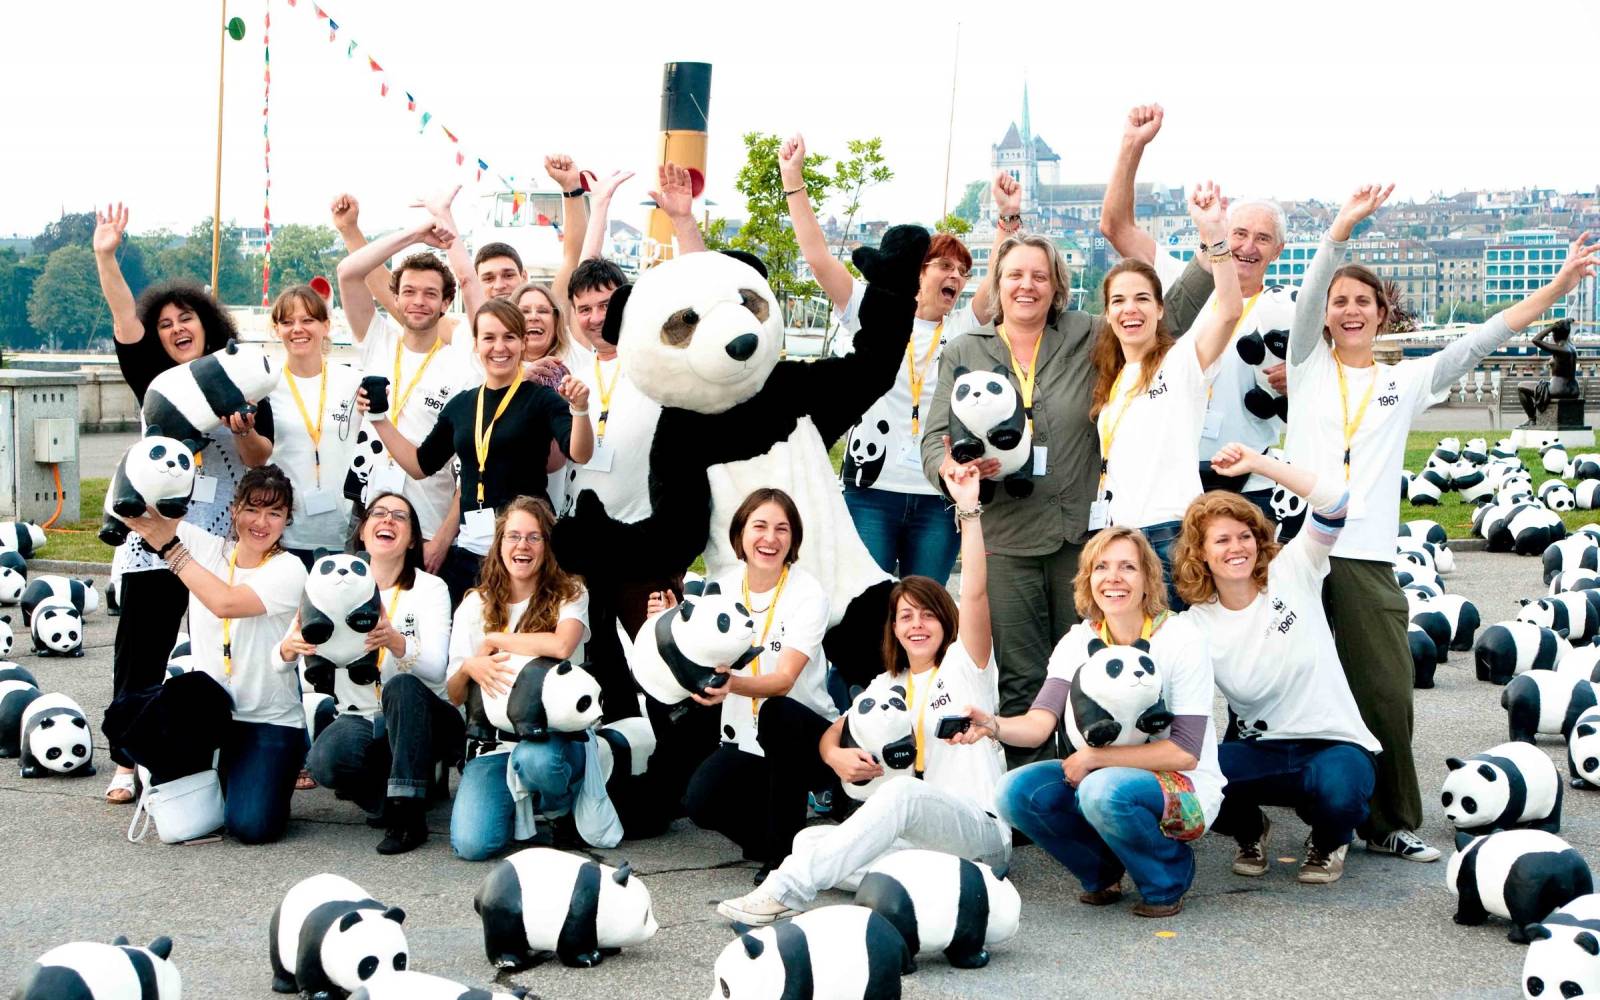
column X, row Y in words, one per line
column 477, row 528
column 1212, row 428
column 386, row 477
column 320, row 502
column 1099, row 514
column 600, row 461
column 910, row 454
column 1040, row 454
column 205, row 489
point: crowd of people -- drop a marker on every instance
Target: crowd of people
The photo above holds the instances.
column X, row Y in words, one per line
column 1147, row 525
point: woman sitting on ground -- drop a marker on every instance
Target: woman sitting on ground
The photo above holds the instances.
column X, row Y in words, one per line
column 1298, row 737
column 1108, row 810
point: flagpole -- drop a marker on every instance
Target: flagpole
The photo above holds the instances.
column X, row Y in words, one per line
column 949, row 135
column 216, row 205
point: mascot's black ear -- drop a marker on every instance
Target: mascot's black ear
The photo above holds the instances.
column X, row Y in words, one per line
column 752, row 946
column 614, row 309
column 855, row 691
column 119, row 940
column 745, row 257
column 319, row 552
column 960, row 370
column 193, row 446
column 621, row 876
column 1454, row 763
column 233, row 346
column 712, row 588
column 1586, row 941
column 162, row 947
column 364, row 556
column 1141, row 643
column 153, row 431
column 1095, row 646
column 396, row 914
column 1000, row 370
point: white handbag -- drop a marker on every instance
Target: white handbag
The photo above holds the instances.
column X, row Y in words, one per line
column 183, row 809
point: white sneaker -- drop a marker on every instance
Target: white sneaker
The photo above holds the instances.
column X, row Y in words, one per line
column 756, row 909
column 1404, row 844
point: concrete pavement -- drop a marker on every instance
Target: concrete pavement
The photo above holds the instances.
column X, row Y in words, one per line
column 1384, row 930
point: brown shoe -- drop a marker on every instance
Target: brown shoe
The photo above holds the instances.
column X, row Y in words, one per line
column 1251, row 859
column 1172, row 909
column 1102, row 897
column 1320, row 868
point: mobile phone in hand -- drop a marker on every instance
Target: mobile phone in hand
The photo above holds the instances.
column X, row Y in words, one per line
column 951, row 725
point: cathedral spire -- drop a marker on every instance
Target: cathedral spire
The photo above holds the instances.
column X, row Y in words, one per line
column 1027, row 130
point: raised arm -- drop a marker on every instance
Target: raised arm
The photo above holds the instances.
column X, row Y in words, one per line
column 961, row 483
column 355, row 269
column 219, row 597
column 346, row 213
column 1007, row 195
column 594, row 240
column 1116, row 212
column 674, row 195
column 1213, row 328
column 830, row 272
column 1311, row 305
column 575, row 218
column 439, row 207
column 108, row 229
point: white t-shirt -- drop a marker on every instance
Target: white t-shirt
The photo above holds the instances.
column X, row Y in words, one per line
column 292, row 452
column 443, row 377
column 422, row 615
column 1315, row 439
column 1151, row 474
column 467, row 632
column 798, row 622
column 1184, row 663
column 264, row 688
column 968, row 772
column 880, row 452
column 1275, row 660
column 619, row 469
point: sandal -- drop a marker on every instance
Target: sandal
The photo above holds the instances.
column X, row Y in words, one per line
column 305, row 782
column 121, row 790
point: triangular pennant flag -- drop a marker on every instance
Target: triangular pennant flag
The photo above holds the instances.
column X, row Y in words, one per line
column 374, row 64
column 333, row 29
column 543, row 220
column 516, row 202
column 460, row 159
column 427, row 116
column 321, row 14
column 383, row 90
column 449, row 134
column 479, row 178
column 482, row 165
column 411, row 102
column 350, row 50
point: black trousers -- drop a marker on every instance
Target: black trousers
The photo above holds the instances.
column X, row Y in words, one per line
column 153, row 605
column 759, row 803
column 460, row 573
column 420, row 729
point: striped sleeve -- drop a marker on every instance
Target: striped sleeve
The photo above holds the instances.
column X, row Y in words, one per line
column 1328, row 520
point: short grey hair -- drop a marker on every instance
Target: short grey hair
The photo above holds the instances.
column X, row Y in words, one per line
column 1280, row 222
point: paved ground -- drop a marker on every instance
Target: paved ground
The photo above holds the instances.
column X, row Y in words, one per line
column 1385, row 930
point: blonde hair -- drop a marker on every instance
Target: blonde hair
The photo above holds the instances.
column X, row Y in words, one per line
column 1060, row 283
column 1155, row 591
column 1190, row 574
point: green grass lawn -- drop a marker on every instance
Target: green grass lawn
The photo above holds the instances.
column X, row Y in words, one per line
column 74, row 539
column 1454, row 513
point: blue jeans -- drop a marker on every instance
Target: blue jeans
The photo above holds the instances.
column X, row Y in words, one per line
column 1105, row 826
column 1163, row 538
column 482, row 820
column 909, row 534
column 1326, row 783
column 259, row 764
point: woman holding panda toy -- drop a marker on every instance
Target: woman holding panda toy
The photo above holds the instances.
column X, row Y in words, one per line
column 1348, row 420
column 382, row 748
column 1299, row 739
column 240, row 696
column 1109, row 810
column 170, row 324
column 944, row 657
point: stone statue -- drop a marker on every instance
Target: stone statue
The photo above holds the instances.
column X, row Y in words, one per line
column 1562, row 384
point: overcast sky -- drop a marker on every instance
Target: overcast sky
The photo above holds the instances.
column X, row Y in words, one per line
column 117, row 100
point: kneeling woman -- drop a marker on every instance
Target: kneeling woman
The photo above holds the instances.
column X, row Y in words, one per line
column 1108, row 810
column 752, row 789
column 1300, row 739
column 943, row 658
column 240, row 696
column 390, row 735
column 524, row 605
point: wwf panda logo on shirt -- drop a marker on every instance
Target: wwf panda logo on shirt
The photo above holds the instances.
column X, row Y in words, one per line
column 1284, row 617
column 1159, row 388
column 1390, row 395
column 864, row 456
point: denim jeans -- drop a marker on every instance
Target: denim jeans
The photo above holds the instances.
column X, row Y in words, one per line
column 1105, row 826
column 909, row 534
column 1326, row 783
column 359, row 763
column 482, row 819
column 1163, row 538
column 259, row 764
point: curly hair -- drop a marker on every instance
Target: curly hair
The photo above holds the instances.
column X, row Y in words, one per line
column 1155, row 593
column 1108, row 358
column 422, row 260
column 1190, row 574
column 558, row 322
column 184, row 294
column 552, row 585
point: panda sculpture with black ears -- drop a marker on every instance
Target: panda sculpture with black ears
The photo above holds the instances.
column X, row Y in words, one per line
column 987, row 420
column 339, row 607
column 157, row 471
column 701, row 335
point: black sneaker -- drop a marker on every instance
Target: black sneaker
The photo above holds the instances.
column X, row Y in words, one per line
column 1404, row 844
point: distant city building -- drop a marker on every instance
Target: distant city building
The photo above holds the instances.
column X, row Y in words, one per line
column 1406, row 262
column 1460, row 268
column 1522, row 261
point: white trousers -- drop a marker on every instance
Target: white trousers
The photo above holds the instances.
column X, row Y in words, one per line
column 903, row 813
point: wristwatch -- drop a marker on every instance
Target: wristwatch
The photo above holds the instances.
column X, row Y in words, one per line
column 576, row 192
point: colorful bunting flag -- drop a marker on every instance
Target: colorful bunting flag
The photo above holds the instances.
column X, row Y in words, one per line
column 427, row 116
column 411, row 102
column 374, row 64
column 449, row 134
column 333, row 28
column 350, row 50
column 516, row 203
column 460, row 159
column 383, row 89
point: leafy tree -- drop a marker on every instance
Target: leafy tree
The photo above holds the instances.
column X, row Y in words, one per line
column 238, row 282
column 66, row 307
column 970, row 204
column 73, row 228
column 1461, row 312
column 766, row 232
column 864, row 168
column 300, row 253
column 17, row 277
column 953, row 224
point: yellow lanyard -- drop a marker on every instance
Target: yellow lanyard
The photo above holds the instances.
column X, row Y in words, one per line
column 482, row 434
column 1025, row 380
column 227, row 623
column 1351, row 426
column 772, row 611
column 394, row 599
column 1249, row 304
column 919, row 375
column 605, row 397
column 1145, row 631
column 916, row 713
column 1109, row 434
column 315, row 433
column 404, row 396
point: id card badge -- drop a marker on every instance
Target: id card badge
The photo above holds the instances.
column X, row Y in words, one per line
column 910, row 454
column 600, row 461
column 320, row 502
column 1099, row 514
column 1040, row 459
column 477, row 528
column 1212, row 428
column 386, row 478
column 205, row 489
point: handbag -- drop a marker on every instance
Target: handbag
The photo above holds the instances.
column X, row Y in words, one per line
column 182, row 809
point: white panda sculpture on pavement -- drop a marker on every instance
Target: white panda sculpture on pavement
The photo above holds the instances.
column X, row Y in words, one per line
column 1116, row 697
column 542, row 900
column 987, row 420
column 1563, row 957
column 879, row 722
column 411, row 985
column 13, row 576
column 86, row 970
column 328, row 937
column 22, row 537
column 16, row 694
column 190, row 400
column 1520, row 875
column 156, row 471
column 53, row 588
column 838, row 952
column 57, row 630
column 1507, row 649
column 7, row 638
column 1583, row 750
column 56, row 738
column 939, row 902
column 1577, row 551
column 1571, row 614
column 677, row 651
column 1508, row 786
column 1545, row 702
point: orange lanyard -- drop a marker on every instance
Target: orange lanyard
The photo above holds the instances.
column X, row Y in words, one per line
column 772, row 611
column 314, row 433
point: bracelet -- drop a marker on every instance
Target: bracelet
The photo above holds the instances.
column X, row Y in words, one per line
column 178, row 560
column 1009, row 223
column 171, row 542
column 576, row 192
column 797, row 190
column 577, row 413
column 1219, row 255
column 1212, row 249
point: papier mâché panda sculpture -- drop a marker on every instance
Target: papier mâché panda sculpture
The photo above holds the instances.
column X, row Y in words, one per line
column 678, row 650
column 191, row 400
column 546, row 696
column 1116, row 698
column 701, row 335
column 156, row 471
column 339, row 607
column 87, row 970
column 987, row 420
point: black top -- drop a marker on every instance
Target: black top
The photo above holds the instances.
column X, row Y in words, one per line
column 140, row 365
column 517, row 450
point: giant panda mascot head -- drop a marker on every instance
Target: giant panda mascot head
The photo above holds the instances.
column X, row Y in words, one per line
column 701, row 331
